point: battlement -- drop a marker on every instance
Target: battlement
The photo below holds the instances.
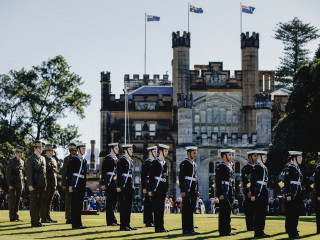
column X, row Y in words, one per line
column 105, row 76
column 262, row 100
column 136, row 82
column 181, row 41
column 250, row 41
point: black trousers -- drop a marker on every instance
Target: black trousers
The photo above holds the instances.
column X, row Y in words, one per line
column 292, row 217
column 158, row 207
column 260, row 211
column 76, row 206
column 147, row 212
column 125, row 200
column 317, row 214
column 224, row 217
column 188, row 207
column 111, row 202
column 249, row 212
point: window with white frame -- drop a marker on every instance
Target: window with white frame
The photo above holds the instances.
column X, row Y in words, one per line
column 152, row 129
column 138, row 127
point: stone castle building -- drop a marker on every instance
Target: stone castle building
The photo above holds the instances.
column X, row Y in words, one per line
column 203, row 106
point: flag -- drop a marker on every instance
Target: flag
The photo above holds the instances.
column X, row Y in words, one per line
column 195, row 9
column 247, row 9
column 152, row 18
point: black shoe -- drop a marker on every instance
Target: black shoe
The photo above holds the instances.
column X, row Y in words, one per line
column 162, row 231
column 132, row 228
column 190, row 232
column 45, row 221
column 262, row 235
column 12, row 220
column 150, row 225
column 295, row 236
column 80, row 227
column 52, row 221
column 233, row 228
column 113, row 224
column 18, row 220
column 125, row 229
column 68, row 222
column 195, row 227
column 37, row 225
column 227, row 234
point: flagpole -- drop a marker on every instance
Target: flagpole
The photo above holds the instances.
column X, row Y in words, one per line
column 125, row 112
column 145, row 43
column 188, row 14
column 240, row 18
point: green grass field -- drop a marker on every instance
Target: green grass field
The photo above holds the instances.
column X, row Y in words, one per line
column 208, row 227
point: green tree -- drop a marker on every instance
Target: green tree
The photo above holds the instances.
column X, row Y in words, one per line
column 299, row 129
column 295, row 35
column 317, row 54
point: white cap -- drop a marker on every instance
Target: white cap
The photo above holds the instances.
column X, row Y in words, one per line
column 192, row 148
column 127, row 145
column 152, row 148
column 295, row 153
column 225, row 150
column 163, row 146
column 81, row 145
column 262, row 152
column 252, row 152
column 113, row 144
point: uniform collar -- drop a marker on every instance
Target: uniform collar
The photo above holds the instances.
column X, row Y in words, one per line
column 148, row 160
column 187, row 159
column 249, row 163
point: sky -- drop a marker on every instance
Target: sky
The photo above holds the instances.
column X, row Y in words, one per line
column 105, row 35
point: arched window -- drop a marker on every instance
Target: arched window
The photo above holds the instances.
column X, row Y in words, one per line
column 203, row 116
column 211, row 167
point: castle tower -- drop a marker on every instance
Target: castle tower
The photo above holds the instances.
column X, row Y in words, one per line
column 250, row 80
column 263, row 118
column 105, row 107
column 180, row 65
column 92, row 156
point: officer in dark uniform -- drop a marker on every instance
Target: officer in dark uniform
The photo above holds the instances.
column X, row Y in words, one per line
column 317, row 193
column 259, row 193
column 158, row 186
column 223, row 182
column 292, row 189
column 52, row 168
column 147, row 211
column 15, row 177
column 125, row 187
column 76, row 182
column 246, row 181
column 108, row 182
column 67, row 203
column 188, row 183
column 36, row 181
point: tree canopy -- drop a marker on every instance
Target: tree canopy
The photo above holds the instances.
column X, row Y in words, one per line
column 295, row 35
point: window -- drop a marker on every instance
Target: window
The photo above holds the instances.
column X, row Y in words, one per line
column 152, row 129
column 136, row 168
column 136, row 180
column 138, row 129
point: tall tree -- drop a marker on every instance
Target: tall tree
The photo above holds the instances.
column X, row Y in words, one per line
column 299, row 129
column 295, row 35
column 317, row 54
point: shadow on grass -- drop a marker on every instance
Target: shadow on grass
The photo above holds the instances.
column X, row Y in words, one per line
column 272, row 235
column 301, row 219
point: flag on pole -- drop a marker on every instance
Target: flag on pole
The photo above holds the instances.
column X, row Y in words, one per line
column 152, row 18
column 195, row 9
column 247, row 9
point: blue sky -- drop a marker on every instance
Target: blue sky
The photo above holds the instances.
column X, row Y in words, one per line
column 105, row 35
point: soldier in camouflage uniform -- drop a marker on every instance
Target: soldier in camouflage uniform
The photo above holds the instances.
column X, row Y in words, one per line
column 36, row 181
column 14, row 177
column 73, row 151
column 51, row 167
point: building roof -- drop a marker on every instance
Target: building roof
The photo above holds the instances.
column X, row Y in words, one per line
column 152, row 90
column 280, row 92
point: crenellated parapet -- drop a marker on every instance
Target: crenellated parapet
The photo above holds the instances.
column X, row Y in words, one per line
column 250, row 41
column 105, row 76
column 181, row 41
column 136, row 82
column 263, row 100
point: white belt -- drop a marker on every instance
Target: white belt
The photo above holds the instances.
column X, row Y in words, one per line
column 78, row 175
column 295, row 182
column 126, row 175
column 160, row 179
column 110, row 173
column 225, row 182
column 190, row 178
column 262, row 183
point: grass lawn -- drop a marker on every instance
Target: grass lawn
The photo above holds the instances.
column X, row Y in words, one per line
column 208, row 227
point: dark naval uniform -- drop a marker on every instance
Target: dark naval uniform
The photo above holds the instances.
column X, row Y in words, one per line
column 259, row 180
column 292, row 187
column 76, row 177
column 67, row 201
column 158, row 185
column 52, row 168
column 248, row 204
column 36, row 177
column 108, row 178
column 317, row 194
column 15, row 178
column 188, row 183
column 147, row 212
column 223, row 182
column 125, row 182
